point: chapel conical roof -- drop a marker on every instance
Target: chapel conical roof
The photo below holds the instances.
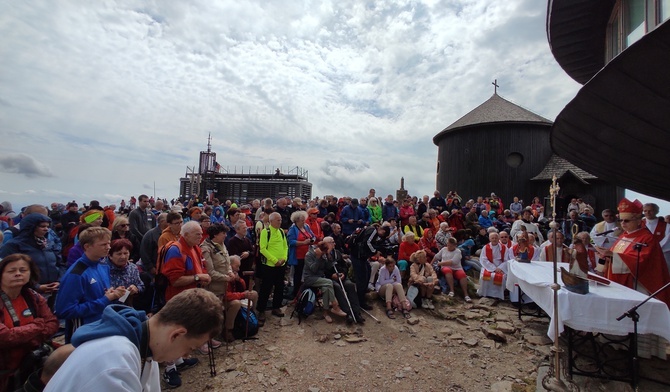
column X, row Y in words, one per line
column 492, row 111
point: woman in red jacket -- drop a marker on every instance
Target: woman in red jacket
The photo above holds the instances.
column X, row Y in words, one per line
column 406, row 210
column 407, row 247
column 27, row 321
column 428, row 243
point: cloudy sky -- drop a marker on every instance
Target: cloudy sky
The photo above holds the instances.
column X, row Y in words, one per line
column 102, row 99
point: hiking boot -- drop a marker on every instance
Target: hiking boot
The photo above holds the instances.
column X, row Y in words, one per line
column 172, row 379
column 187, row 364
column 261, row 318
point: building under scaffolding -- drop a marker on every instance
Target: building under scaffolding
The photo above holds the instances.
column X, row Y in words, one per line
column 241, row 185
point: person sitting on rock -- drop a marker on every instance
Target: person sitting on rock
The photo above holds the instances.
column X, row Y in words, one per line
column 236, row 292
column 345, row 290
column 450, row 266
column 443, row 234
column 428, row 243
column 422, row 275
column 408, row 246
column 388, row 283
column 314, row 276
column 413, row 227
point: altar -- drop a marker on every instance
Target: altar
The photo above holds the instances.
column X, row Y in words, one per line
column 596, row 311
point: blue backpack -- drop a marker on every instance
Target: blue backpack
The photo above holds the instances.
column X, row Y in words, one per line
column 305, row 305
column 240, row 328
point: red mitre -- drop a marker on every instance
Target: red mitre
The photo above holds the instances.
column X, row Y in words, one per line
column 631, row 207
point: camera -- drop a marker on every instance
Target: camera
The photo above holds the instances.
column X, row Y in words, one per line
column 35, row 359
column 388, row 249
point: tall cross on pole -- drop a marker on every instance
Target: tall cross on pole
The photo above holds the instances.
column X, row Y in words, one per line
column 552, row 380
column 495, row 86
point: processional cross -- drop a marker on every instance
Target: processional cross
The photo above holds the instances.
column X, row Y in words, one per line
column 552, row 380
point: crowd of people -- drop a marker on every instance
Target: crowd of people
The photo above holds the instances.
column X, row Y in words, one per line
column 80, row 265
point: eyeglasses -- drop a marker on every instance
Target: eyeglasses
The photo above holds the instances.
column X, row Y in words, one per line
column 177, row 223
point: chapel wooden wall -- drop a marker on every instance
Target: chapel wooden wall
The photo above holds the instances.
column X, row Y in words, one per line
column 473, row 161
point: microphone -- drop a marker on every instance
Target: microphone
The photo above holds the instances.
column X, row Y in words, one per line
column 605, row 233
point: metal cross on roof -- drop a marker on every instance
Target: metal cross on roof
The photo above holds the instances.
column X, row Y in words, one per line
column 495, row 86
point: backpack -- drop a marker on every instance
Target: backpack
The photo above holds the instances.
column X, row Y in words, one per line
column 305, row 305
column 240, row 328
column 161, row 281
column 401, row 305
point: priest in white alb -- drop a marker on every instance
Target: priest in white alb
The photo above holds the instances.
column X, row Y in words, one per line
column 493, row 276
column 658, row 227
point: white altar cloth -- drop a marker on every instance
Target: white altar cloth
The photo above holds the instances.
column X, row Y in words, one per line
column 596, row 311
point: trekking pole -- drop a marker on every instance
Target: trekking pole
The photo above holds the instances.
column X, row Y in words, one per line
column 251, row 287
column 345, row 292
column 373, row 317
column 210, row 354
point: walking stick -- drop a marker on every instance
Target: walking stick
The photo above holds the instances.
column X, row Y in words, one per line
column 344, row 291
column 210, row 354
column 251, row 287
column 373, row 317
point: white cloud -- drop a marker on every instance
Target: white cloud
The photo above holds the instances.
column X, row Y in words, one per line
column 114, row 96
column 20, row 163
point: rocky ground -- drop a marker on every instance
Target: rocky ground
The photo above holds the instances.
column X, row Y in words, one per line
column 456, row 347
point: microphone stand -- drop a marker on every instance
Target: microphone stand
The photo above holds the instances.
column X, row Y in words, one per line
column 633, row 315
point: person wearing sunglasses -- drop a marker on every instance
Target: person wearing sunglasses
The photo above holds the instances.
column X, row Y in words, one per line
column 121, row 231
column 648, row 274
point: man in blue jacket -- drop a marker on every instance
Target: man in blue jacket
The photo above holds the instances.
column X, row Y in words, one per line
column 389, row 209
column 85, row 289
column 352, row 218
